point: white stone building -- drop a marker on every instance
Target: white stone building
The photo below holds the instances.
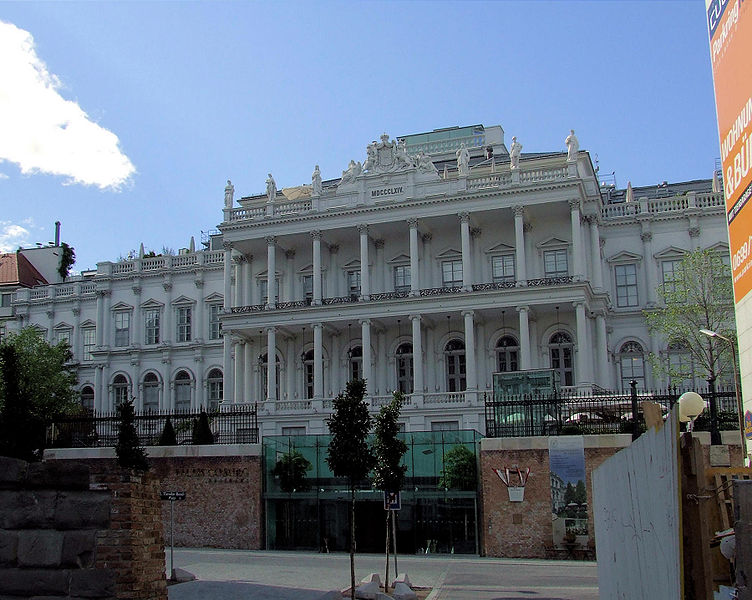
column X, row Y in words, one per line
column 420, row 274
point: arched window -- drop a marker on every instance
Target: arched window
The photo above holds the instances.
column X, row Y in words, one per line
column 507, row 353
column 355, row 363
column 215, row 388
column 454, row 355
column 404, row 362
column 87, row 398
column 560, row 350
column 120, row 389
column 265, row 376
column 681, row 366
column 632, row 363
column 308, row 373
column 151, row 392
column 183, row 391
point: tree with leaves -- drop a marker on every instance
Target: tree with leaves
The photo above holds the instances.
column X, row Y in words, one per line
column 21, row 431
column 201, row 434
column 460, row 470
column 349, row 454
column 388, row 450
column 130, row 454
column 698, row 296
column 291, row 471
column 67, row 260
column 168, row 437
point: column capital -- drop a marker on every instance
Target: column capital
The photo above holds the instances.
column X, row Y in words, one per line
column 316, row 234
column 413, row 223
column 270, row 329
column 427, row 237
column 317, row 325
column 574, row 203
column 271, row 240
column 475, row 231
column 363, row 228
column 333, row 248
column 518, row 210
column 522, row 309
column 167, row 286
column 365, row 321
column 415, row 317
column 527, row 227
column 464, row 217
column 227, row 246
column 578, row 303
column 694, row 232
column 646, row 236
column 238, row 259
column 378, row 244
column 591, row 220
column 468, row 313
column 290, row 253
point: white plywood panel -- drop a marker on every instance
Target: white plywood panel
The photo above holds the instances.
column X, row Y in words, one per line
column 636, row 513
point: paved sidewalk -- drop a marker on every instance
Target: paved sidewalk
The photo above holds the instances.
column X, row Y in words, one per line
column 260, row 575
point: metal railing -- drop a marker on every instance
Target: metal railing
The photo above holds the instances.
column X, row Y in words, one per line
column 603, row 413
column 237, row 425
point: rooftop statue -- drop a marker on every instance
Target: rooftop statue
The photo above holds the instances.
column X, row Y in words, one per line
column 387, row 157
column 229, row 193
column 514, row 153
column 401, row 156
column 573, row 146
column 371, row 159
column 271, row 188
column 353, row 170
column 463, row 161
column 316, row 181
column 425, row 165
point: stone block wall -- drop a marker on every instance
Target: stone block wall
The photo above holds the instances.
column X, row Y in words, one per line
column 50, row 524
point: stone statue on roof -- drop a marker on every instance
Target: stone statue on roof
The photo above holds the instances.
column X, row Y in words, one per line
column 353, row 170
column 371, row 158
column 573, row 146
column 463, row 161
column 271, row 188
column 425, row 165
column 514, row 153
column 229, row 194
column 401, row 157
column 316, row 182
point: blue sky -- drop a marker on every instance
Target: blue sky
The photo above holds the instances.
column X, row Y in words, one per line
column 124, row 120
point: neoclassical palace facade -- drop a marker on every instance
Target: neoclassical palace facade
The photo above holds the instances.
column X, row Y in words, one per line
column 439, row 260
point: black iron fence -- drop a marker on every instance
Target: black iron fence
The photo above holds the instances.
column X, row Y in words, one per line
column 238, row 425
column 607, row 412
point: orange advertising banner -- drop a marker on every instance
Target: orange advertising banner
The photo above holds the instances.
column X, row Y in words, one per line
column 730, row 30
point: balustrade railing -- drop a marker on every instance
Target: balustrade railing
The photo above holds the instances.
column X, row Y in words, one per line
column 663, row 205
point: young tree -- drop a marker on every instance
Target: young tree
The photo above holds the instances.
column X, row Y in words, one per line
column 291, row 471
column 21, row 432
column 388, row 450
column 67, row 260
column 202, row 434
column 699, row 296
column 168, row 437
column 460, row 470
column 130, row 454
column 349, row 454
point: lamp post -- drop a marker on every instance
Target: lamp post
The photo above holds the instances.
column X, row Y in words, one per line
column 739, row 407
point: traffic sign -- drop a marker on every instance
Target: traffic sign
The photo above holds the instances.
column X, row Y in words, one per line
column 171, row 496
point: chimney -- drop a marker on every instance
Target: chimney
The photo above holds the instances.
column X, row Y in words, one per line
column 57, row 233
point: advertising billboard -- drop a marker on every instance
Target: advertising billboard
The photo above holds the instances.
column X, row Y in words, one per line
column 730, row 31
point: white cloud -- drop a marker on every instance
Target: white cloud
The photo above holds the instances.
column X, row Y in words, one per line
column 3, row 176
column 44, row 132
column 12, row 236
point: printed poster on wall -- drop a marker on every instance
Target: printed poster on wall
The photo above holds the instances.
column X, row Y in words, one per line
column 566, row 459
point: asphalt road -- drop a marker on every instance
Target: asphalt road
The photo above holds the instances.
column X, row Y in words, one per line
column 247, row 575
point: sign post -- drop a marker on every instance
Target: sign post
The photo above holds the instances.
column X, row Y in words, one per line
column 172, row 496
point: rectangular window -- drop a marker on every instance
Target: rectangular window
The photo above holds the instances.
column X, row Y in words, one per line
column 215, row 327
column 445, row 425
column 63, row 335
column 5, row 300
column 151, row 326
column 184, row 324
column 308, row 287
column 402, row 278
column 502, row 268
column 353, row 282
column 264, row 291
column 122, row 328
column 293, row 431
column 3, row 331
column 626, row 285
column 671, row 277
column 555, row 263
column 451, row 273
column 89, row 339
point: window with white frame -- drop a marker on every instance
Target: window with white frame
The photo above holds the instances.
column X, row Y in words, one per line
column 151, row 326
column 294, row 430
column 401, row 278
column 555, row 263
column 502, row 268
column 215, row 325
column 353, row 282
column 355, row 363
column 264, row 291
column 308, row 373
column 122, row 328
column 626, row 285
column 507, row 354
column 672, row 279
column 215, row 388
column 681, row 366
column 183, row 391
column 120, row 390
column 151, row 392
column 63, row 335
column 87, row 398
column 455, row 366
column 404, row 363
column 445, row 425
column 184, row 315
column 88, row 342
column 632, row 364
column 560, row 348
column 451, row 273
column 265, row 376
column 307, row 281
column 5, row 299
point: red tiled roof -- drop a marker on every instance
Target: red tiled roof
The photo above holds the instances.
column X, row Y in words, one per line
column 15, row 269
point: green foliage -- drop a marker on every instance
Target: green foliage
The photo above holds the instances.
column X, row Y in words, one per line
column 580, row 493
column 201, row 434
column 44, row 379
column 291, row 470
column 67, row 260
column 699, row 297
column 21, row 432
column 168, row 437
column 349, row 454
column 130, row 454
column 460, row 470
column 388, row 448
